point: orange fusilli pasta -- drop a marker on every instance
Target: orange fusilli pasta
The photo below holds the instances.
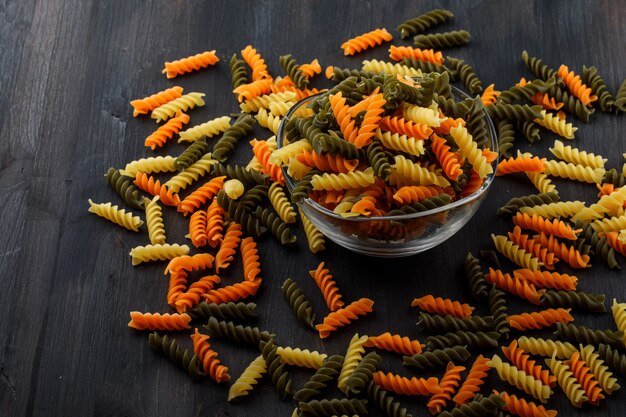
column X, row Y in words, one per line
column 365, row 41
column 210, row 363
column 540, row 224
column 344, row 316
column 193, row 295
column 190, row 64
column 197, row 228
column 327, row 285
column 427, row 55
column 256, row 63
column 514, row 286
column 406, row 386
column 204, row 193
column 395, row 343
column 235, row 292
column 228, row 247
column 157, row 321
column 154, row 187
column 442, row 306
column 250, row 257
column 448, row 384
column 472, row 383
column 159, row 137
column 147, row 104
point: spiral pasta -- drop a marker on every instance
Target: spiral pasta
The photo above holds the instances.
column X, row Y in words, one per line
column 515, row 253
column 395, row 343
column 248, row 378
column 228, row 246
column 188, row 263
column 254, row 60
column 442, row 306
column 276, row 370
column 576, row 156
column 253, row 89
column 177, row 285
column 124, row 188
column 262, row 152
column 547, row 279
column 298, row 303
column 381, row 67
column 190, row 298
column 116, row 215
column 327, row 285
column 149, row 166
column 442, row 40
column 611, row 204
column 541, row 182
column 147, row 104
column 225, row 311
column 154, row 221
column 619, row 315
column 490, row 95
column 235, row 292
column 523, row 408
column 404, row 172
column 585, row 378
column 566, row 253
column 353, row 356
column 191, row 174
column 427, row 55
column 201, row 195
column 546, row 347
column 587, row 336
column 402, row 143
column 268, row 120
column 366, row 41
column 157, row 321
column 299, row 357
column 237, row 333
column 473, row 381
column 520, row 164
column 574, row 172
column 159, row 137
column 205, row 130
column 238, row 71
column 449, row 161
column 554, row 210
column 540, row 319
column 520, row 379
column 158, row 252
column 522, row 361
column 448, row 383
column 341, row 181
column 190, row 64
column 556, row 125
column 182, row 104
column 406, row 386
column 328, row 370
column 423, row 22
column 575, row 299
column 521, row 288
column 539, row 224
column 469, row 149
column 170, row 348
column 533, row 247
column 208, row 357
column 284, row 154
column 600, row 371
column 154, row 187
column 264, row 101
column 344, row 316
column 576, row 86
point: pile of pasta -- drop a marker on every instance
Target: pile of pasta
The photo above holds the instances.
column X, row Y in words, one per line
column 381, row 143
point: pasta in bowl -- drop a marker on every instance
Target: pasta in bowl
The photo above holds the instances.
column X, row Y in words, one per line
column 388, row 167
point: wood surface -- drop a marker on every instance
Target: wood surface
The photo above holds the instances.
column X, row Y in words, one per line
column 68, row 70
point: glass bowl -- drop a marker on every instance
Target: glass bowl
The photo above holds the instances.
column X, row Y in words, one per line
column 391, row 236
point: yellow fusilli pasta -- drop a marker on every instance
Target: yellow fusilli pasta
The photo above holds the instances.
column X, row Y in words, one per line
column 248, row 378
column 573, row 172
column 264, row 101
column 206, row 129
column 154, row 221
column 381, row 67
column 613, row 224
column 353, row 356
column 546, row 347
column 619, row 315
column 280, row 108
column 610, row 204
column 299, row 357
column 116, row 215
column 542, row 182
column 268, row 120
column 297, row 169
column 552, row 210
column 149, row 166
column 520, row 379
column 281, row 203
column 354, row 179
column 283, row 155
column 157, row 252
column 605, row 377
column 423, row 115
column 400, row 142
column 404, row 172
column 182, row 103
column 572, row 389
column 556, row 125
column 469, row 149
column 190, row 175
column 314, row 237
column 576, row 156
column 515, row 253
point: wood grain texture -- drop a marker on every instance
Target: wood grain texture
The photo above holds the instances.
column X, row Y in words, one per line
column 67, row 72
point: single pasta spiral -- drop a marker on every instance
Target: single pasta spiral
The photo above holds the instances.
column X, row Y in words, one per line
column 406, row 127
column 147, row 104
column 574, row 172
column 254, row 89
column 254, row 60
column 201, row 195
column 116, row 215
column 182, row 104
column 250, row 259
column 449, row 161
column 248, row 378
column 154, row 221
column 427, row 55
column 190, row 64
column 405, row 172
column 539, row 319
column 469, row 148
column 576, row 86
column 365, row 41
column 585, row 377
column 547, row 279
column 395, row 343
column 399, row 142
column 235, row 292
column 518, row 287
column 515, row 253
column 264, row 101
column 208, row 357
column 315, row 238
column 159, row 137
column 191, row 174
column 327, row 285
column 406, row 386
column 521, row 407
column 301, row 357
column 473, row 381
column 520, row 379
column 158, row 252
column 520, row 164
column 228, row 247
column 157, row 321
column 442, row 306
column 546, row 347
column 197, row 228
column 354, row 355
column 154, row 187
column 149, row 166
column 344, row 316
column 268, row 120
column 576, row 156
column 207, row 129
column 448, row 383
column 381, row 67
column 539, row 224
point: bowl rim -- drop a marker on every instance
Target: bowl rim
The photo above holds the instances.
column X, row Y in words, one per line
column 318, row 207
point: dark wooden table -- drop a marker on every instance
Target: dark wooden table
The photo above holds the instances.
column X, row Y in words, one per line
column 68, row 70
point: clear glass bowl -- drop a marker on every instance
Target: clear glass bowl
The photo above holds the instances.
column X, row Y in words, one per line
column 392, row 236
